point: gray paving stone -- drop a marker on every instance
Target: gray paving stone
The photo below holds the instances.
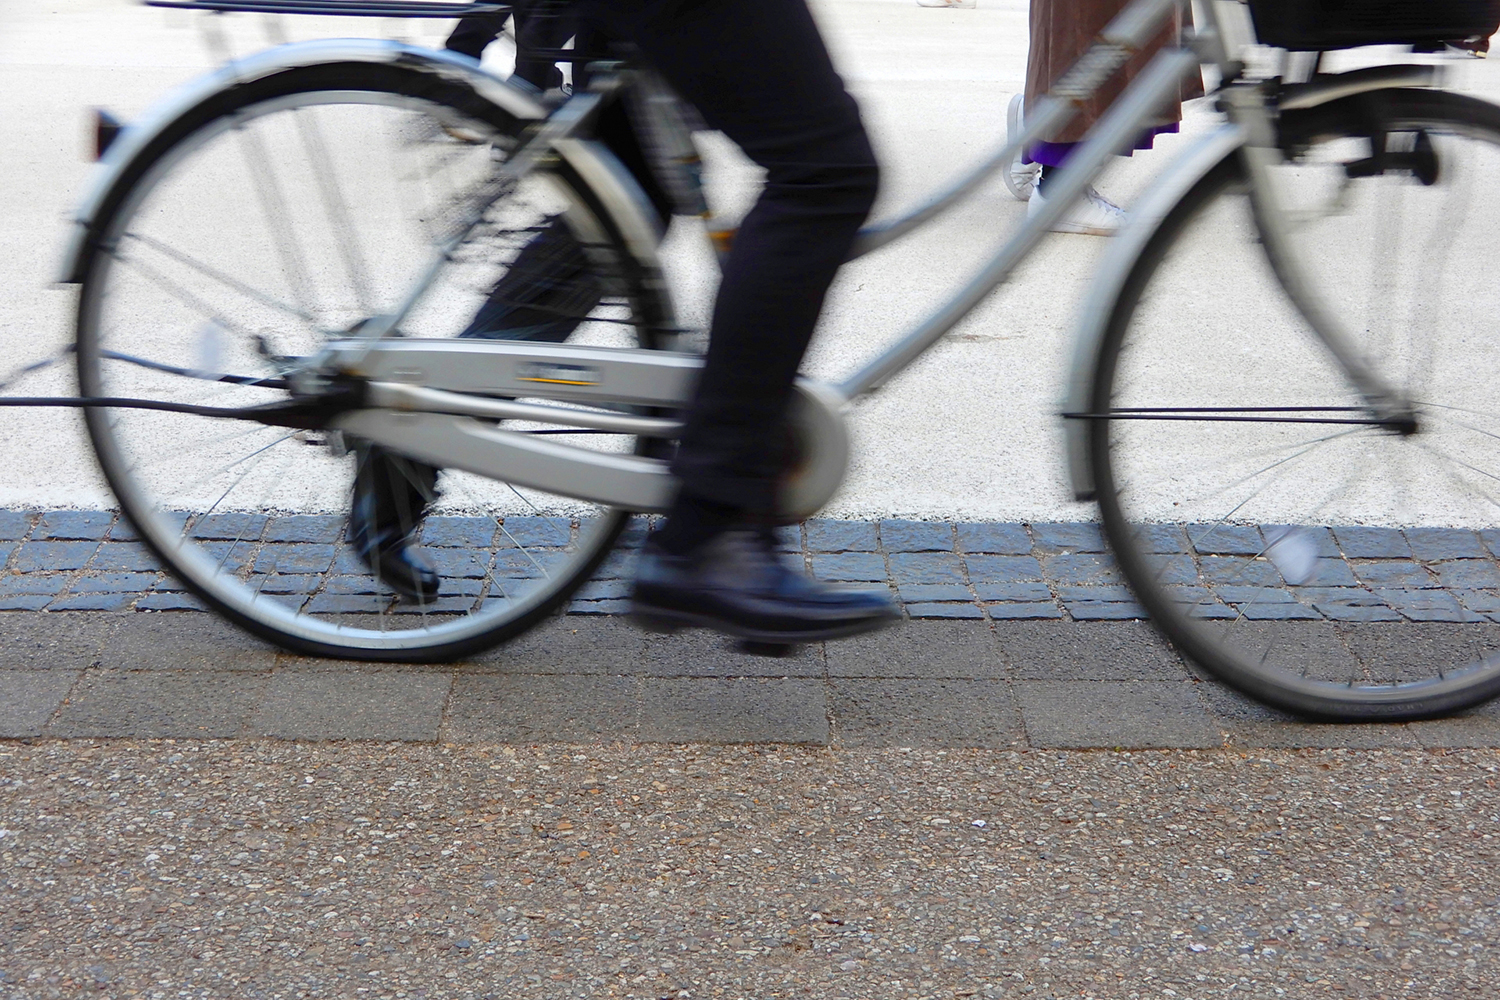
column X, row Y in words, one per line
column 1117, row 593
column 1068, row 538
column 50, row 641
column 1491, row 539
column 1081, row 570
column 491, row 708
column 35, row 583
column 1407, row 651
column 1314, row 647
column 525, row 563
column 916, row 536
column 177, row 642
column 925, row 567
column 618, row 565
column 920, row 649
column 345, row 604
column 29, row 698
column 1240, row 571
column 1023, row 611
column 605, row 607
column 90, row 525
column 1341, row 611
column 1475, row 727
column 1319, row 538
column 322, row 529
column 1428, row 605
column 1093, row 651
column 113, row 583
column 849, row 567
column 1392, row 573
column 881, row 712
column 740, row 710
column 1485, row 602
column 1107, row 714
column 159, row 704
column 124, row 531
column 603, row 590
column 788, row 538
column 1163, row 539
column 37, row 556
column 353, row 704
column 1363, row 542
column 1434, row 544
column 1248, row 723
column 15, row 524
column 1226, row 539
column 700, row 653
column 1281, row 612
column 1172, row 570
column 997, row 538
column 916, row 593
column 1192, row 596
column 230, row 527
column 568, row 646
column 124, row 557
column 1254, row 595
column 1093, row 611
column 1207, row 610
column 938, row 610
column 1013, row 591
column 827, row 535
column 24, row 602
column 93, row 602
column 537, row 532
column 233, row 556
column 1467, row 574
column 1329, row 573
column 459, row 532
column 1002, row 569
column 294, row 557
column 163, row 601
column 459, row 563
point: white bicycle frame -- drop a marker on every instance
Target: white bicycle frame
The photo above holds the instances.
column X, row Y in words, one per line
column 427, row 398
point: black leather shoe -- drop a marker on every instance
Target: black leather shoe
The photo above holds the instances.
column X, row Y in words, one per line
column 391, row 494
column 735, row 584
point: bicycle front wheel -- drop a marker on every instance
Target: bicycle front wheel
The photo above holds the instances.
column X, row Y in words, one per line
column 285, row 213
column 1297, row 548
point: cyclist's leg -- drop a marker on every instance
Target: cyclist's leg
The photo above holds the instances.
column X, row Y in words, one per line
column 475, row 32
column 758, row 71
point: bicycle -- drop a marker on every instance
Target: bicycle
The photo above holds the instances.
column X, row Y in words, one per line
column 196, row 340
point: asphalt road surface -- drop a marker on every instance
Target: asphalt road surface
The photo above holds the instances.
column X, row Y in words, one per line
column 275, row 869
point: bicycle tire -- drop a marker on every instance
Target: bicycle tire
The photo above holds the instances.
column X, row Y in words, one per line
column 1248, row 555
column 271, row 552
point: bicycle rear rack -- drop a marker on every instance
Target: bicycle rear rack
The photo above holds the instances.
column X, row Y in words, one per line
column 338, row 8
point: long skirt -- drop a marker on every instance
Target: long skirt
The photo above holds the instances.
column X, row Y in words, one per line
column 1061, row 32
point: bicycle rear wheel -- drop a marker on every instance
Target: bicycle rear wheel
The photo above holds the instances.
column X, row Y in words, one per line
column 1299, row 551
column 282, row 214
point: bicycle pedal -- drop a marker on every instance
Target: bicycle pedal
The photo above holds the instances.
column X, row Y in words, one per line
column 775, row 650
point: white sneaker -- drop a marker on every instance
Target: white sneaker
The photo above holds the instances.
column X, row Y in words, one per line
column 947, row 3
column 1020, row 176
column 1095, row 215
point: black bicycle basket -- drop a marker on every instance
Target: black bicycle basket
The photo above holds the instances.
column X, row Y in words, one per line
column 1317, row 25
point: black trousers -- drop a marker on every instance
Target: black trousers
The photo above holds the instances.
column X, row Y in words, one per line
column 758, row 71
column 474, row 33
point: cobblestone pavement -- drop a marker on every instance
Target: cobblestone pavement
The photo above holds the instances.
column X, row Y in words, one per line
column 89, row 561
column 1020, row 637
